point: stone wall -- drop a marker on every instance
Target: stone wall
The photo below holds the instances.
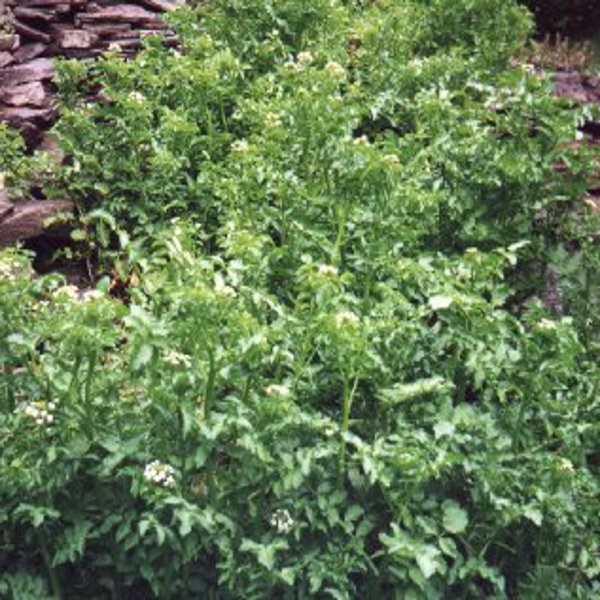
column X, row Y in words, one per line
column 32, row 32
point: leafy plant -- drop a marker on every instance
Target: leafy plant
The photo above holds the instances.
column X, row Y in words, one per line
column 315, row 359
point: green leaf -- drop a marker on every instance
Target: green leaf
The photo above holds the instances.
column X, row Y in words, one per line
column 266, row 556
column 428, row 560
column 72, row 543
column 534, row 515
column 354, row 512
column 142, row 357
column 443, row 428
column 455, row 519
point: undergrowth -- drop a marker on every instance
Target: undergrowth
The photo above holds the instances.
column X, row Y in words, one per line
column 315, row 361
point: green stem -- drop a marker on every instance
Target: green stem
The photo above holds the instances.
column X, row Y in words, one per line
column 54, row 582
column 336, row 259
column 88, row 379
column 87, row 396
column 210, row 385
column 247, row 388
column 74, row 377
column 348, row 396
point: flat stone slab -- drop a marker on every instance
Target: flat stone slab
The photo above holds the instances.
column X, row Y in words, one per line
column 28, row 219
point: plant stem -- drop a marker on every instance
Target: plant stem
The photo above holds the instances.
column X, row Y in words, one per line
column 210, row 385
column 348, row 396
column 54, row 582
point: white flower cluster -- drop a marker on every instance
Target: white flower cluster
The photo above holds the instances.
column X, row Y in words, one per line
column 73, row 293
column 222, row 289
column 160, row 473
column 335, row 69
column 328, row 270
column 346, row 318
column 547, row 324
column 137, row 97
column 565, row 465
column 240, row 146
column 69, row 292
column 363, row 140
column 6, row 269
column 440, row 302
column 92, row 295
column 172, row 357
column 305, row 59
column 279, row 391
column 282, row 520
column 391, row 160
column 272, row 120
column 40, row 412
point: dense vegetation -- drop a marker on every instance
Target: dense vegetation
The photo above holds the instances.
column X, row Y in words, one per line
column 318, row 360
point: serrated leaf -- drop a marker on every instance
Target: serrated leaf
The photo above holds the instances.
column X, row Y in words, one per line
column 72, row 543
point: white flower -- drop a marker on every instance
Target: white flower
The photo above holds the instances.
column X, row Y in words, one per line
column 240, row 146
column 67, row 291
column 579, row 135
column 172, row 357
column 391, row 159
column 566, row 465
column 90, row 295
column 440, row 302
column 272, row 120
column 305, row 59
column 222, row 289
column 346, row 318
column 328, row 270
column 282, row 520
column 335, row 69
column 6, row 269
column 363, row 140
column 137, row 97
column 547, row 324
column 291, row 66
column 160, row 473
column 281, row 391
column 40, row 412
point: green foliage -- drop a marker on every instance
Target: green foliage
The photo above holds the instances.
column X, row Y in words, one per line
column 332, row 374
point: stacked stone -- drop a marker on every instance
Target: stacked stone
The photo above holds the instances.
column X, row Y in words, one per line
column 32, row 32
